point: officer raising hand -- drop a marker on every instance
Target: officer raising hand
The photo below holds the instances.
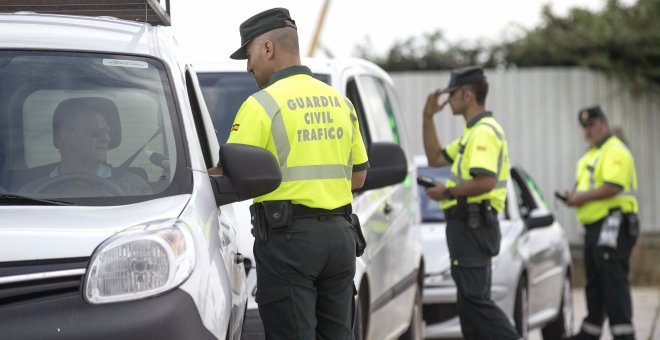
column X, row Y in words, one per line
column 471, row 198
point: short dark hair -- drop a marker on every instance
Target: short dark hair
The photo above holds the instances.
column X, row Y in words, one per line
column 480, row 91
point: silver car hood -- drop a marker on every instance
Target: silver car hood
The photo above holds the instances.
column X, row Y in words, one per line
column 49, row 232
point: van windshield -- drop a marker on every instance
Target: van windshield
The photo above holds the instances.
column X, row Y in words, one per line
column 90, row 129
column 225, row 92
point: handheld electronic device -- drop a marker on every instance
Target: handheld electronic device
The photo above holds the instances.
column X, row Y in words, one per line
column 426, row 182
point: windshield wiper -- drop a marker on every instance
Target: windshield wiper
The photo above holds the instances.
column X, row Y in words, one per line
column 20, row 199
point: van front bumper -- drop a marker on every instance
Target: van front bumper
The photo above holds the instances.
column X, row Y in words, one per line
column 169, row 316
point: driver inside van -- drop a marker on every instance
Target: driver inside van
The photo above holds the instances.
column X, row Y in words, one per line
column 84, row 129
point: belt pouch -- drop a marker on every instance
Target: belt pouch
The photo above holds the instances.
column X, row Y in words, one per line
column 609, row 230
column 360, row 241
column 489, row 214
column 258, row 221
column 278, row 213
column 633, row 224
column 473, row 215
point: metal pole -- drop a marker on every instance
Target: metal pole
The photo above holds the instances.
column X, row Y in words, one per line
column 319, row 26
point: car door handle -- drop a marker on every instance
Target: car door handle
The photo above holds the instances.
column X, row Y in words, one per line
column 388, row 209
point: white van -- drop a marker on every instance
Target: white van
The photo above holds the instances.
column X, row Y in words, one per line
column 143, row 246
column 390, row 274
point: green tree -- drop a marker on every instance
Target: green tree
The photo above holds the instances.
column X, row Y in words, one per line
column 621, row 41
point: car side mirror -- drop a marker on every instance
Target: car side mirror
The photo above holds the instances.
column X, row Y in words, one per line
column 539, row 218
column 387, row 166
column 247, row 172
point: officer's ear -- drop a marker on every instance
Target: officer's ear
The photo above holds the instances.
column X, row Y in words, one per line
column 468, row 94
column 269, row 48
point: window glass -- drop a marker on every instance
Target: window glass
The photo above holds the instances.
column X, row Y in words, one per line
column 523, row 205
column 379, row 110
column 82, row 126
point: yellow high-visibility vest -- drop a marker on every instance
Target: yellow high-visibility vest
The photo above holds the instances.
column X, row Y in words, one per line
column 481, row 150
column 610, row 162
column 314, row 134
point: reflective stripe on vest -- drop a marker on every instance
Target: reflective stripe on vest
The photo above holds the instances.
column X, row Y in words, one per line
column 281, row 139
column 458, row 178
column 592, row 177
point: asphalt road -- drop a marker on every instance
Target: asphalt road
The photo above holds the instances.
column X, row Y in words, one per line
column 646, row 314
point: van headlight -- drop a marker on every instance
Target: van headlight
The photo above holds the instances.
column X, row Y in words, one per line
column 141, row 261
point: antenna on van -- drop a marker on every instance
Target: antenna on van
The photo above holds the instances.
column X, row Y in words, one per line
column 149, row 11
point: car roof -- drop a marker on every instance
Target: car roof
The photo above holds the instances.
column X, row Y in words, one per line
column 25, row 30
column 333, row 67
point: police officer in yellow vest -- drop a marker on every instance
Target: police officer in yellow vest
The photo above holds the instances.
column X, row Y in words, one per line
column 471, row 199
column 606, row 206
column 305, row 245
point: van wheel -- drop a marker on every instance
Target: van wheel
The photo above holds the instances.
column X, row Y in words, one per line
column 562, row 326
column 415, row 329
column 521, row 310
column 360, row 323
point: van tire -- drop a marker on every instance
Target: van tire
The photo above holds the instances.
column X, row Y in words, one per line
column 360, row 324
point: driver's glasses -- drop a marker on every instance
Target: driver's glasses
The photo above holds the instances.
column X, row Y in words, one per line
column 96, row 131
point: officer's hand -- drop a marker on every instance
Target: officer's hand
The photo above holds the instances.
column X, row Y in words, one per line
column 432, row 105
column 573, row 199
column 437, row 192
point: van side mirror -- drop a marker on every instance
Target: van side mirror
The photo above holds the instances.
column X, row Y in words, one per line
column 248, row 172
column 388, row 166
column 539, row 218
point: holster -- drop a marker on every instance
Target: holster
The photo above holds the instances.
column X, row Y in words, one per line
column 633, row 224
column 258, row 221
column 278, row 213
column 360, row 241
column 489, row 214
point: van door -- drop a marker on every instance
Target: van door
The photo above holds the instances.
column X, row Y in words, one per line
column 387, row 215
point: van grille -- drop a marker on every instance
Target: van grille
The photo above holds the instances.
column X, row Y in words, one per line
column 26, row 280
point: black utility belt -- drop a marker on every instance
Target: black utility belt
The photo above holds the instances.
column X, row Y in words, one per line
column 475, row 214
column 280, row 214
column 462, row 212
column 302, row 211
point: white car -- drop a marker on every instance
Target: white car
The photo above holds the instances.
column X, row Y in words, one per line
column 82, row 257
column 389, row 275
column 531, row 279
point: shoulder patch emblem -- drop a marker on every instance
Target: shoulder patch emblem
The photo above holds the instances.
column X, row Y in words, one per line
column 235, row 127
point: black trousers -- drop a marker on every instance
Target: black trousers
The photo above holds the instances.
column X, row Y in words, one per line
column 608, row 289
column 470, row 251
column 305, row 280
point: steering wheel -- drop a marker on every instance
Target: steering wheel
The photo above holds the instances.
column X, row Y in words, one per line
column 86, row 184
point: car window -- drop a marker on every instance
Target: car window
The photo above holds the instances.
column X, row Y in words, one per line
column 527, row 192
column 379, row 110
column 535, row 190
column 523, row 205
column 225, row 92
column 430, row 208
column 64, row 112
